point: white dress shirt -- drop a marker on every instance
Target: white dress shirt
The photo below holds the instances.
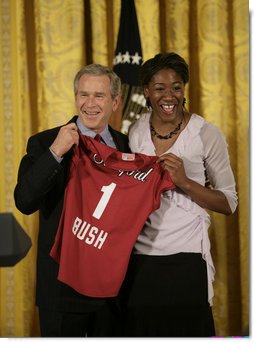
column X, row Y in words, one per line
column 105, row 134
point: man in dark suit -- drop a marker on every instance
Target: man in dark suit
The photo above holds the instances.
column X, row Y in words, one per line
column 41, row 184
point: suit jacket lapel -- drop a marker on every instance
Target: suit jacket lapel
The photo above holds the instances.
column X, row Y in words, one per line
column 119, row 142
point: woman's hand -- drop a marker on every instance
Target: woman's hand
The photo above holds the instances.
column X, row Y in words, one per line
column 175, row 166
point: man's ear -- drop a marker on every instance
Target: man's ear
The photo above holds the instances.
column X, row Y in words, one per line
column 116, row 102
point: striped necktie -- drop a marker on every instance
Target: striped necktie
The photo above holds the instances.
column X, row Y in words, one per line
column 98, row 138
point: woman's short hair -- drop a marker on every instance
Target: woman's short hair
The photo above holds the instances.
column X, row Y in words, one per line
column 169, row 60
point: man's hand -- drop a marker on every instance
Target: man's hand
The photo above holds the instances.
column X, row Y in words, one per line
column 66, row 138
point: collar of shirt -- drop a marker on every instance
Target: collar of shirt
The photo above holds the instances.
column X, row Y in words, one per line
column 105, row 134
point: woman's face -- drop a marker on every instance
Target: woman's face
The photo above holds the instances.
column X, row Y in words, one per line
column 166, row 93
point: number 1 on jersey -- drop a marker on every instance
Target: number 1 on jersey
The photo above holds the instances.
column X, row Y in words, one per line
column 107, row 192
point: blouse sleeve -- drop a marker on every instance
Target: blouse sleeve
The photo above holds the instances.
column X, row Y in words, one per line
column 217, row 163
column 132, row 139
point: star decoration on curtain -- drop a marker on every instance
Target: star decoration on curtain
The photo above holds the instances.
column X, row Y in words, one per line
column 127, row 58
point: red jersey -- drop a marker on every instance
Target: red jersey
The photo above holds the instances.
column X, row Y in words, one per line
column 107, row 200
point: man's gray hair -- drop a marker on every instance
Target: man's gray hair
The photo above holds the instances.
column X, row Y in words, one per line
column 98, row 69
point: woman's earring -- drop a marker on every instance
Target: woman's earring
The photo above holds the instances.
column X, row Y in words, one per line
column 148, row 104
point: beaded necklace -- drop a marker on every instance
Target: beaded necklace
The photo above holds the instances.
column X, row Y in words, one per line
column 169, row 135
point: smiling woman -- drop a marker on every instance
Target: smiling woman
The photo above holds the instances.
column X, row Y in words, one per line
column 171, row 258
column 164, row 90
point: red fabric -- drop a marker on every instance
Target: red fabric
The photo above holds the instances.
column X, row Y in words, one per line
column 93, row 247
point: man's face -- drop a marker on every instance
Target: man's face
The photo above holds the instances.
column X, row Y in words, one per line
column 94, row 101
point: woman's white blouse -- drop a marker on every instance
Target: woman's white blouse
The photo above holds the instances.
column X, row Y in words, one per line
column 180, row 225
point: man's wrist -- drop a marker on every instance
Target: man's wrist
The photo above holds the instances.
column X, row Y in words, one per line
column 58, row 158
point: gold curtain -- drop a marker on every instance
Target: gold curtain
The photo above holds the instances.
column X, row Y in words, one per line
column 42, row 45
